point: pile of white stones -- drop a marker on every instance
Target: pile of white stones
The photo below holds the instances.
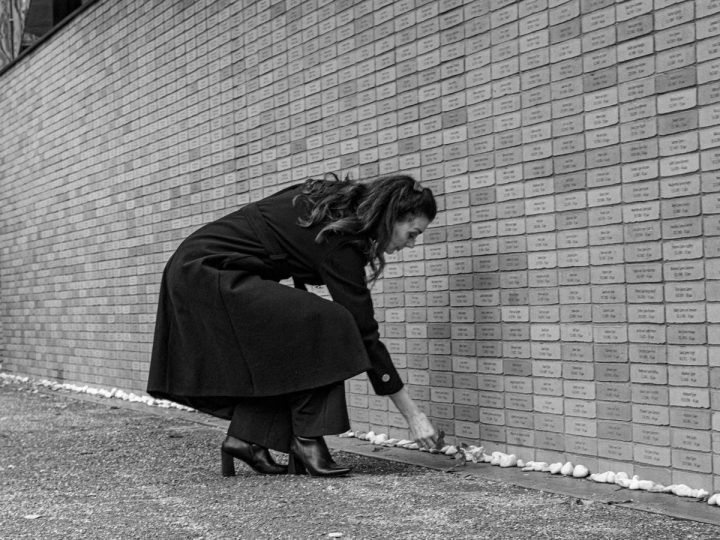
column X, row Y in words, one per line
column 476, row 454
column 93, row 391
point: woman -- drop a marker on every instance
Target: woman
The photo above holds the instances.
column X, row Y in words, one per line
column 231, row 341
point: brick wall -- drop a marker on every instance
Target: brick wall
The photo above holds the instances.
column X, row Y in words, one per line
column 564, row 305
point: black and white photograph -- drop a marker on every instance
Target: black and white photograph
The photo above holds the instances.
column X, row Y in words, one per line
column 360, row 269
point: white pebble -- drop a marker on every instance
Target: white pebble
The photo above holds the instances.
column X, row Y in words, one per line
column 468, row 455
column 682, row 490
column 450, row 451
column 600, row 478
column 508, row 460
column 477, row 453
column 621, row 476
column 714, row 499
column 580, row 471
column 555, row 468
column 567, row 469
column 622, row 481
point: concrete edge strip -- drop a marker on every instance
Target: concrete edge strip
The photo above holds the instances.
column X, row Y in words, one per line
column 580, row 488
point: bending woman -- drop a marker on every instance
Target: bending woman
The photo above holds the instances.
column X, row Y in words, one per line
column 233, row 342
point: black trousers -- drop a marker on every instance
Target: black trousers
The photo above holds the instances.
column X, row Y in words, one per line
column 272, row 421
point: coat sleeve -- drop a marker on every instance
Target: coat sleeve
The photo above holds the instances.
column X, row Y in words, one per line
column 343, row 272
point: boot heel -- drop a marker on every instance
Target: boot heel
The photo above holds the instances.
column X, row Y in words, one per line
column 311, row 454
column 228, row 464
column 295, row 466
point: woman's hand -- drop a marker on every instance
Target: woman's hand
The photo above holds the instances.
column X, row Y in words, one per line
column 422, row 431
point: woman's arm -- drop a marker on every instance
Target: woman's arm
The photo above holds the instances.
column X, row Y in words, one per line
column 421, row 429
column 343, row 271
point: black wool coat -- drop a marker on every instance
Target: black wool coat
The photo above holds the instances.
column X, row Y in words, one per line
column 226, row 328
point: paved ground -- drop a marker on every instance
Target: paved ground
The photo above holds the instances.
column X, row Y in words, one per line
column 79, row 467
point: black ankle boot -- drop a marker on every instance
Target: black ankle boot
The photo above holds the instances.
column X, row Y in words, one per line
column 311, row 455
column 256, row 456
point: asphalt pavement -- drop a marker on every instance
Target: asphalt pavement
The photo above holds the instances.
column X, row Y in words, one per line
column 79, row 466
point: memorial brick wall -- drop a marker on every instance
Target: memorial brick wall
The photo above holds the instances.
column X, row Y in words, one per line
column 565, row 305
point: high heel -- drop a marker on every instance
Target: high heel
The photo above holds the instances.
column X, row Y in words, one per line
column 257, row 457
column 311, row 455
column 295, row 466
column 227, row 463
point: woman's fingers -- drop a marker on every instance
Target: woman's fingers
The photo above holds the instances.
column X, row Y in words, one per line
column 425, row 443
column 425, row 433
column 428, row 441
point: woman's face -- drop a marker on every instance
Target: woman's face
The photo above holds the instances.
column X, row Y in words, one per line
column 405, row 232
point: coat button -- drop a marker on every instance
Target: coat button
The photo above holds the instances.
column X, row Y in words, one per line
column 386, row 378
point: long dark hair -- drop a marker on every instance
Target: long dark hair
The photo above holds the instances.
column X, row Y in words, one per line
column 368, row 209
